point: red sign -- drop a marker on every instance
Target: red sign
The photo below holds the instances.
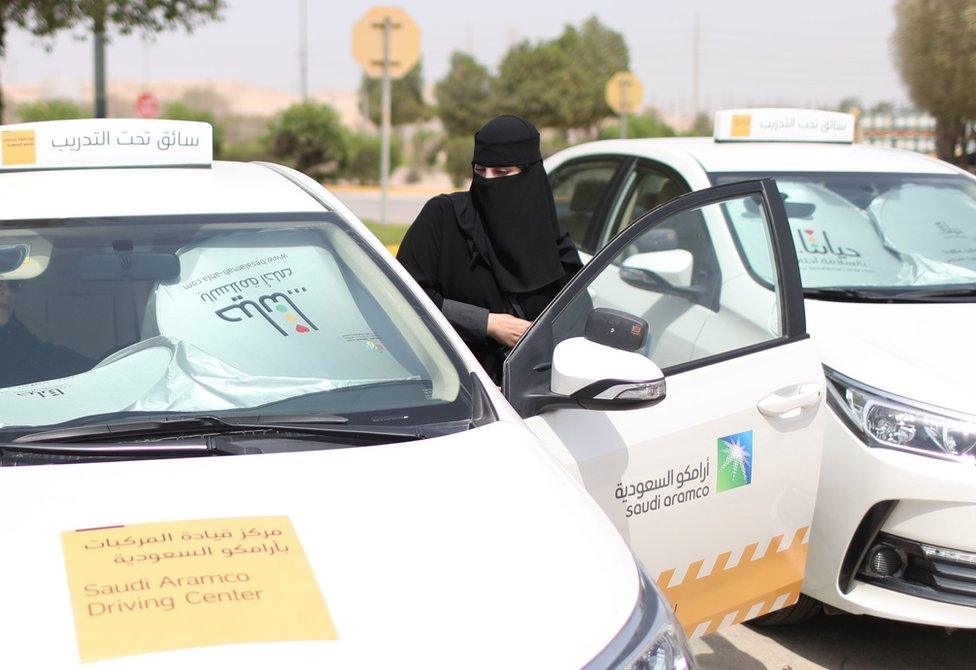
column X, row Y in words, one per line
column 147, row 106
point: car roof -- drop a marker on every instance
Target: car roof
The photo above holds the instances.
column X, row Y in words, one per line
column 768, row 157
column 224, row 188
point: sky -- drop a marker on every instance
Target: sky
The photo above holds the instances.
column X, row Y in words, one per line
column 781, row 52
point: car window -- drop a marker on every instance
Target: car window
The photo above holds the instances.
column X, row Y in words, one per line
column 579, row 189
column 210, row 314
column 870, row 230
column 646, row 188
column 673, row 282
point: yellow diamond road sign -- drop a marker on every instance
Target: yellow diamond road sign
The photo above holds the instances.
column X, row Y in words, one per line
column 367, row 41
column 624, row 92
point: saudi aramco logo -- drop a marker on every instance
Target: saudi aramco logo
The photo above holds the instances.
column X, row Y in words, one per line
column 734, row 461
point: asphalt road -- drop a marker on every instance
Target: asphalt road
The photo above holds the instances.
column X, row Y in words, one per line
column 401, row 207
column 839, row 641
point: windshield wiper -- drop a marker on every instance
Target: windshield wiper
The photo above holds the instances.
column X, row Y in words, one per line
column 935, row 293
column 325, row 425
column 848, row 294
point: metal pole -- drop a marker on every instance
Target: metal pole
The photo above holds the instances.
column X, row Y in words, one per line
column 303, row 53
column 623, row 108
column 385, row 129
column 101, row 108
column 696, row 68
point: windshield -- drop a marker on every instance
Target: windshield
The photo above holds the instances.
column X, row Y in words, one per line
column 877, row 231
column 290, row 314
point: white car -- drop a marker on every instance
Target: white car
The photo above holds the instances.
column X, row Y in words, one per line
column 253, row 441
column 886, row 243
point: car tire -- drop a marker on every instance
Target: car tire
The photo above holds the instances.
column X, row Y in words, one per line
column 804, row 609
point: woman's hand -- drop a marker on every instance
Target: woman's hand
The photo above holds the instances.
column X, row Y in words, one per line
column 506, row 329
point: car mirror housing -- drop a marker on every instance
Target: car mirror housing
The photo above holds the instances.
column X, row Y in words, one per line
column 672, row 267
column 595, row 376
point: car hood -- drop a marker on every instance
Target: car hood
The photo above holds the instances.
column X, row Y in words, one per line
column 918, row 351
column 472, row 550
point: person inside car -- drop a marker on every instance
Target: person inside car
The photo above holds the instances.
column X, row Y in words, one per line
column 23, row 357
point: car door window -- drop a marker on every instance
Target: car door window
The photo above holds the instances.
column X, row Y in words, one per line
column 669, row 275
column 579, row 190
column 645, row 188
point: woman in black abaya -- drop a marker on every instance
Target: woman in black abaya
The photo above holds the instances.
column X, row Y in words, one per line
column 493, row 257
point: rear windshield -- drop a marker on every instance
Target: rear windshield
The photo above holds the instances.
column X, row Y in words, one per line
column 289, row 313
column 869, row 230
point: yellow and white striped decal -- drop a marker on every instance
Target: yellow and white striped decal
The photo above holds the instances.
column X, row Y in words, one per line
column 736, row 586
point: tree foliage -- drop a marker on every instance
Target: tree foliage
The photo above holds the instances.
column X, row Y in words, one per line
column 183, row 112
column 309, row 136
column 560, row 83
column 457, row 158
column 148, row 16
column 648, row 124
column 935, row 51
column 407, row 98
column 41, row 18
column 50, row 110
column 464, row 98
column 362, row 162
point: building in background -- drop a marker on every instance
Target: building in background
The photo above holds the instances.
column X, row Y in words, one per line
column 902, row 129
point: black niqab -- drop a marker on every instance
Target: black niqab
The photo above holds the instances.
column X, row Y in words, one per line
column 518, row 232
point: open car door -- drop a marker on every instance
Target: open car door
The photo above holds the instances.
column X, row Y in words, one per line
column 680, row 387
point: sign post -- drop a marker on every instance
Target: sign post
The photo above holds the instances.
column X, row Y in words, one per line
column 624, row 93
column 386, row 43
column 147, row 105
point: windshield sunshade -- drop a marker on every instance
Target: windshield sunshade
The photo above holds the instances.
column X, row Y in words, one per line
column 877, row 231
column 214, row 314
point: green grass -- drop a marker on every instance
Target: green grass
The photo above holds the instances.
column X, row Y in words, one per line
column 389, row 234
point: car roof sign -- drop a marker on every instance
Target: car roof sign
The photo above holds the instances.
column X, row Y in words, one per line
column 105, row 143
column 783, row 125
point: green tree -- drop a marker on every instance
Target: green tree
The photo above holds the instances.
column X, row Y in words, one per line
column 702, row 126
column 406, row 98
column 41, row 18
column 560, row 83
column 648, row 124
column 309, row 137
column 362, row 163
column 128, row 16
column 849, row 103
column 464, row 99
column 935, row 51
column 183, row 112
column 457, row 158
column 50, row 110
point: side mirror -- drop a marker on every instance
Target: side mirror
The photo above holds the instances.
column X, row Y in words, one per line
column 666, row 272
column 600, row 377
column 673, row 267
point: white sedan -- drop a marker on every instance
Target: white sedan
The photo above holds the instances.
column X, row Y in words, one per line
column 249, row 439
column 886, row 243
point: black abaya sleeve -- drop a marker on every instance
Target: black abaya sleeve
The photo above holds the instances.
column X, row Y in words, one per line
column 420, row 253
column 420, row 250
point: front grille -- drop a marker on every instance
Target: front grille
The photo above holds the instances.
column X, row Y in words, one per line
column 940, row 573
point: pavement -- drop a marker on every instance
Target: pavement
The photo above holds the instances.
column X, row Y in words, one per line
column 841, row 641
column 403, row 203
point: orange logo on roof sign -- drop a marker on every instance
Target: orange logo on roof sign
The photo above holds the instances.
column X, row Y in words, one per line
column 741, row 125
column 19, row 147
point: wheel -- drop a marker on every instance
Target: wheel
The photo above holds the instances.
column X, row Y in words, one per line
column 804, row 609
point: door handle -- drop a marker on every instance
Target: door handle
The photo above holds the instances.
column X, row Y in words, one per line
column 807, row 395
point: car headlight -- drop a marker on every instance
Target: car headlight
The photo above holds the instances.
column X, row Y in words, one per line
column 652, row 638
column 885, row 420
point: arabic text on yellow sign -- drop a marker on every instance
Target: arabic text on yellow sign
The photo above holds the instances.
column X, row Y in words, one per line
column 158, row 586
column 19, row 147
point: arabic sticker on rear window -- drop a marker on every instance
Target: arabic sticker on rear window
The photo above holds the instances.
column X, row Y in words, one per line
column 159, row 586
